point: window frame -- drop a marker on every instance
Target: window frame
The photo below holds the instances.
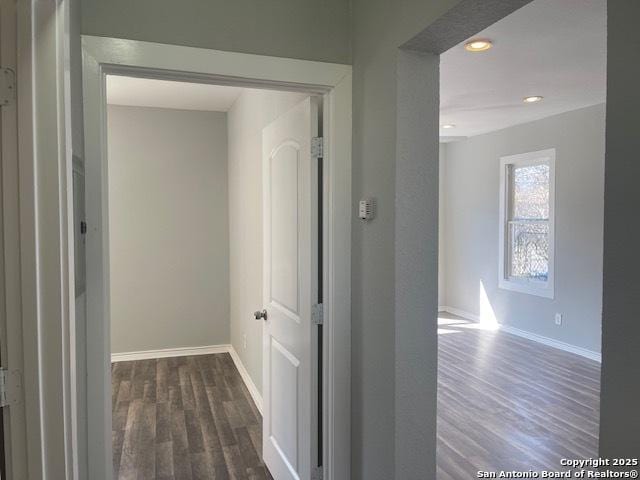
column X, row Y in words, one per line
column 505, row 281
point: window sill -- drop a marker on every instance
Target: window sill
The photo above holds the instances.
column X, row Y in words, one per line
column 529, row 288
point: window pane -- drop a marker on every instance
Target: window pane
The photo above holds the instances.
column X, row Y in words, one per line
column 529, row 250
column 531, row 192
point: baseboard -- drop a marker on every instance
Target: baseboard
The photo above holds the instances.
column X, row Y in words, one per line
column 253, row 390
column 551, row 342
column 169, row 352
column 461, row 313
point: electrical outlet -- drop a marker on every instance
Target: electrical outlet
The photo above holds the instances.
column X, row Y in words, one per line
column 244, row 341
column 558, row 319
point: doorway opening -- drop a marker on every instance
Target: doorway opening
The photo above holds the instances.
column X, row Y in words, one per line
column 520, row 234
column 218, row 197
column 212, row 208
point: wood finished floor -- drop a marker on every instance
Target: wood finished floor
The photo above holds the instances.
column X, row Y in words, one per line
column 185, row 418
column 503, row 403
column 507, row 403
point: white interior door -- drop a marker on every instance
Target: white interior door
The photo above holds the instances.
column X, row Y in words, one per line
column 290, row 290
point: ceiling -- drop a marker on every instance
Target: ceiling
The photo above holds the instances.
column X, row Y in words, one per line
column 145, row 92
column 552, row 48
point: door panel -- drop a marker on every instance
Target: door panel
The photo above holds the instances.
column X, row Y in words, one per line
column 284, row 239
column 284, row 382
column 290, row 288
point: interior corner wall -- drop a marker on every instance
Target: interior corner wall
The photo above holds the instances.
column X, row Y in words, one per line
column 379, row 28
column 620, row 391
column 416, row 265
column 282, row 28
column 471, row 193
column 168, row 228
column 251, row 112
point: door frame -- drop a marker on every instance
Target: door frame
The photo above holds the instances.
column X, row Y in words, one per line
column 13, row 431
column 39, row 304
column 102, row 56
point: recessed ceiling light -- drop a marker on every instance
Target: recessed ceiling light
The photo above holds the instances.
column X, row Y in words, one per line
column 478, row 45
column 532, row 99
column 449, row 125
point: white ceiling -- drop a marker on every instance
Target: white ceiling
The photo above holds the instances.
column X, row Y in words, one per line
column 552, row 48
column 145, row 92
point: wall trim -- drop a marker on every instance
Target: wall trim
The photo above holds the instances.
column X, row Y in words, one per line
column 551, row 342
column 256, row 395
column 202, row 350
column 169, row 352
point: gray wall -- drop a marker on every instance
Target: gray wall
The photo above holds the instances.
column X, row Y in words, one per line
column 619, row 418
column 442, row 225
column 471, row 196
column 251, row 112
column 168, row 228
column 284, row 28
column 416, row 265
column 380, row 27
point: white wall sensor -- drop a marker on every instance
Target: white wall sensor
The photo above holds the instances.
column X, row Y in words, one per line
column 367, row 209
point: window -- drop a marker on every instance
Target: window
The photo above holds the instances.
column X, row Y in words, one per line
column 526, row 223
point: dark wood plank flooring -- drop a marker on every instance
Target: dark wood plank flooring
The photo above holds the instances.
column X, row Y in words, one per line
column 184, row 418
column 507, row 403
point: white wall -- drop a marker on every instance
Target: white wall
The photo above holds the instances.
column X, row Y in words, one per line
column 168, row 221
column 251, row 112
column 471, row 197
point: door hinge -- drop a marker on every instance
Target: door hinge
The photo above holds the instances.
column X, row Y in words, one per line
column 10, row 387
column 317, row 147
column 7, row 86
column 317, row 314
column 317, row 474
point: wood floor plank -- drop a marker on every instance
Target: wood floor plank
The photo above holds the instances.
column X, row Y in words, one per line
column 180, row 444
column 184, row 418
column 164, row 460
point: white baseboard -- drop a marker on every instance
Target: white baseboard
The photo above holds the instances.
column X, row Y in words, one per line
column 188, row 351
column 169, row 352
column 253, row 390
column 551, row 342
column 461, row 313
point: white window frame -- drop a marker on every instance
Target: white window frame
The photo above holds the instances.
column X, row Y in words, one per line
column 531, row 287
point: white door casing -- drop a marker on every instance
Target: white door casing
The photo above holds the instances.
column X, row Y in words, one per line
column 290, row 285
column 102, row 56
